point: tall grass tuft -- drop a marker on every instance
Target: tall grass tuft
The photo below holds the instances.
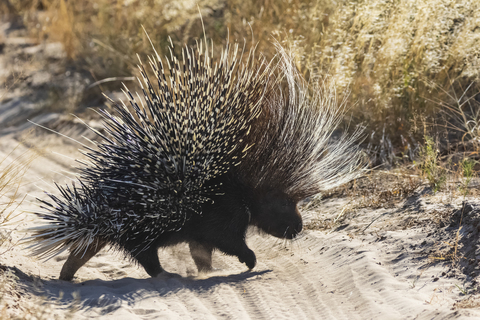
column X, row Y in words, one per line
column 11, row 173
column 12, row 170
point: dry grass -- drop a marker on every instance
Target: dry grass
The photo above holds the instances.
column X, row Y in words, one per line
column 105, row 36
column 379, row 188
column 30, row 302
column 8, row 283
column 396, row 56
column 469, row 302
column 12, row 169
column 400, row 60
column 11, row 173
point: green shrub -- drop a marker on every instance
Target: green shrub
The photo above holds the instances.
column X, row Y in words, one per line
column 430, row 166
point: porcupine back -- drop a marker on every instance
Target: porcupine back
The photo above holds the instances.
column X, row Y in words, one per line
column 293, row 152
column 152, row 169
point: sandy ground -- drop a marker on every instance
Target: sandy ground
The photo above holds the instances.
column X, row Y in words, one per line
column 338, row 273
column 355, row 260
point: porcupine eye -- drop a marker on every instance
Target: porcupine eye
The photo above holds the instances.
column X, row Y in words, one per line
column 277, row 215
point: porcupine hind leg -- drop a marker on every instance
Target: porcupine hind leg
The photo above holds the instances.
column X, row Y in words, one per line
column 148, row 259
column 202, row 255
column 76, row 260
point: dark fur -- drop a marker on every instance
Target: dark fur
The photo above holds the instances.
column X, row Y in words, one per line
column 222, row 225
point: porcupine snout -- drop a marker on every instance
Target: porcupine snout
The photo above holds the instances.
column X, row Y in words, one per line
column 277, row 215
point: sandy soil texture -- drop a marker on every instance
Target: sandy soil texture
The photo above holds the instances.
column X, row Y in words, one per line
column 355, row 260
column 383, row 272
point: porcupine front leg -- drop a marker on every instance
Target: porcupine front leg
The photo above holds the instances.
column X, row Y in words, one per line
column 76, row 260
column 239, row 248
column 232, row 240
column 247, row 256
column 223, row 226
column 234, row 246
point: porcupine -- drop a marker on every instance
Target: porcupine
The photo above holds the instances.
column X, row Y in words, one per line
column 179, row 169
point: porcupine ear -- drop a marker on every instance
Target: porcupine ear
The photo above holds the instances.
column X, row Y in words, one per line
column 293, row 149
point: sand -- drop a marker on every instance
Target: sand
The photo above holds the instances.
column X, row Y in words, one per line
column 330, row 274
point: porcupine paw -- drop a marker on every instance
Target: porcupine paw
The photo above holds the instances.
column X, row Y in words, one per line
column 249, row 258
column 164, row 275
